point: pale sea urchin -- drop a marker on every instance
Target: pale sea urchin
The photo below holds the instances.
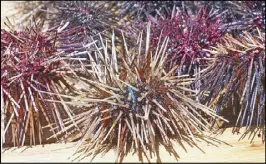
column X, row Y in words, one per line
column 237, row 75
column 132, row 103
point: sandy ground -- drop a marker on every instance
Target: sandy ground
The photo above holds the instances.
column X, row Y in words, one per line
column 235, row 151
column 238, row 151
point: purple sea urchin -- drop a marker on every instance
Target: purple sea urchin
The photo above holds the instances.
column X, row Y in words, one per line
column 31, row 66
column 78, row 22
column 94, row 17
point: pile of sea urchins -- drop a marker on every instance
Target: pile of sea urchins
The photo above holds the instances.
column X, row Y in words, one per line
column 132, row 75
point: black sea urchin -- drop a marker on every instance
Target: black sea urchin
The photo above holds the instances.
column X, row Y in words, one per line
column 132, row 103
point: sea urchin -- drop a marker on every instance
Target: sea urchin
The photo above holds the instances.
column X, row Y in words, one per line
column 132, row 103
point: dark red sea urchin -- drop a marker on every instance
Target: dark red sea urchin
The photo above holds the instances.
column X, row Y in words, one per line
column 188, row 35
column 31, row 66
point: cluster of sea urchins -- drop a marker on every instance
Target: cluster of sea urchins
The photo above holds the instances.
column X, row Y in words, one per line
column 133, row 103
column 238, row 73
column 30, row 67
column 138, row 95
